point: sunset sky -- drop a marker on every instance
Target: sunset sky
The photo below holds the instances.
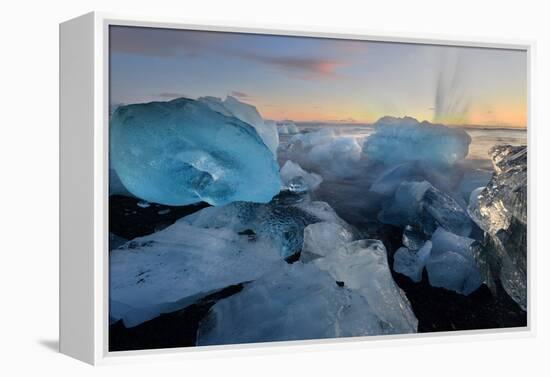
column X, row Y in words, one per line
column 328, row 80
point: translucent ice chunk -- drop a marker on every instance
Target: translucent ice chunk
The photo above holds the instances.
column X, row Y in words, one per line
column 398, row 140
column 452, row 264
column 182, row 152
column 406, row 207
column 443, row 241
column 412, row 238
column 412, row 262
column 390, row 180
column 171, row 269
column 290, row 126
column 363, row 266
column 321, row 239
column 326, row 152
column 500, row 209
column 310, row 139
column 280, row 223
column 283, row 130
column 294, row 302
column 453, row 271
column 287, row 127
column 297, row 179
column 248, row 114
column 446, row 212
column 422, row 205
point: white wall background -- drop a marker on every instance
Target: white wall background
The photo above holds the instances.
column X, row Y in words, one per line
column 29, row 188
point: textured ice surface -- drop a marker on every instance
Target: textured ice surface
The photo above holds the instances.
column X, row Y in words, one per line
column 171, row 269
column 182, row 152
column 115, row 185
column 337, row 152
column 312, row 138
column 363, row 267
column 453, row 271
column 325, row 150
column 443, row 241
column 282, row 224
column 451, row 264
column 287, row 127
column 296, row 179
column 321, row 239
column 389, row 180
column 293, row 302
column 282, row 129
column 473, row 179
column 398, row 140
column 425, row 207
column 505, row 197
column 448, row 259
column 446, row 212
column 406, row 206
column 412, row 238
column 248, row 114
column 411, row 262
column 500, row 209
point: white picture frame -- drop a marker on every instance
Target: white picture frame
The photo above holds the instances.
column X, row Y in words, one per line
column 84, row 190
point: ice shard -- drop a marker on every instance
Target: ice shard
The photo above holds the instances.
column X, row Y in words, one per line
column 425, row 207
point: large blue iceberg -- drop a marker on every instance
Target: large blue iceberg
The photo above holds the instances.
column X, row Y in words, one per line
column 398, row 140
column 182, row 152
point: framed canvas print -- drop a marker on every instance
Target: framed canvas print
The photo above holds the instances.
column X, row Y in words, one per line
column 224, row 187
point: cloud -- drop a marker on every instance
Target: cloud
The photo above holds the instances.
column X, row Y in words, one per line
column 171, row 95
column 303, row 67
column 173, row 43
column 236, row 93
column 160, row 42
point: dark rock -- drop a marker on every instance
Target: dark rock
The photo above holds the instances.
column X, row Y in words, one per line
column 129, row 218
column 176, row 329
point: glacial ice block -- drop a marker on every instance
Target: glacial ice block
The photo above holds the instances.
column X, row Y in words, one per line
column 282, row 129
column 296, row 179
column 326, row 151
column 411, row 262
column 321, row 239
column 171, row 269
column 500, row 209
column 443, row 241
column 279, row 223
column 289, row 126
column 424, row 206
column 398, row 140
column 362, row 266
column 248, row 114
column 389, row 180
column 115, row 185
column 293, row 302
column 448, row 259
column 453, row 271
column 451, row 264
column 182, row 152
